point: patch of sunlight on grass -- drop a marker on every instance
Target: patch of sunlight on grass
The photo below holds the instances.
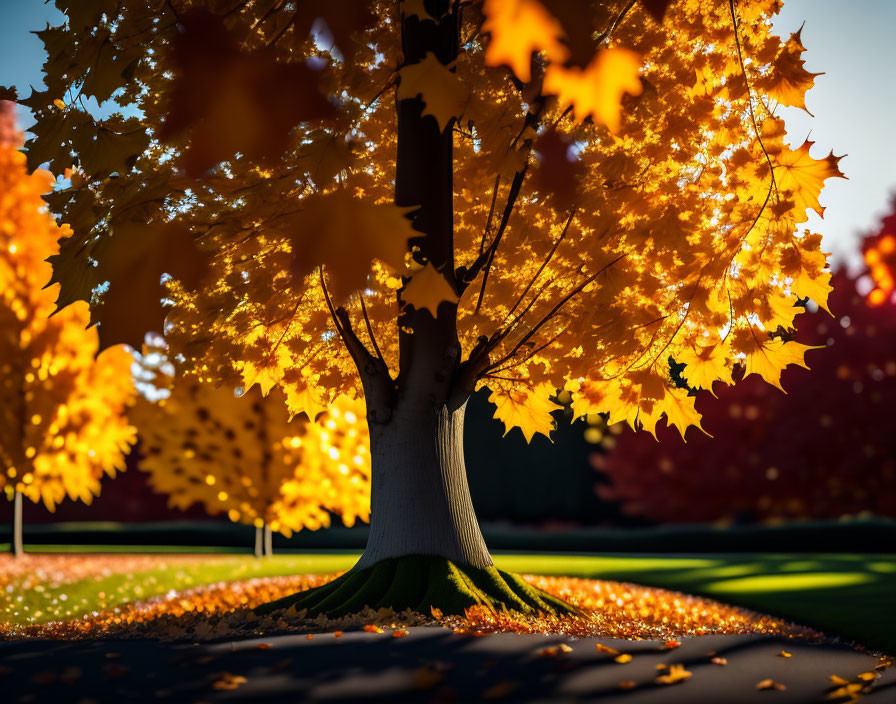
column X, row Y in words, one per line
column 724, row 572
column 801, row 566
column 787, row 582
column 591, row 565
column 884, row 567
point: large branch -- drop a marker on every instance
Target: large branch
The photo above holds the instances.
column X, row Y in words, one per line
column 551, row 314
column 375, row 377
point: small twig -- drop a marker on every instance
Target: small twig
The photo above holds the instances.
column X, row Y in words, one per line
column 370, row 334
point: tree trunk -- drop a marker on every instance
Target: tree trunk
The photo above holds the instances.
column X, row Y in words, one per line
column 268, row 541
column 258, row 541
column 420, row 500
column 18, row 548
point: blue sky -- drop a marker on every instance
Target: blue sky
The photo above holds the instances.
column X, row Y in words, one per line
column 854, row 104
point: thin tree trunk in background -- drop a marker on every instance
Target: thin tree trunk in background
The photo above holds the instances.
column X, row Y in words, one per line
column 18, row 548
column 258, row 543
column 268, row 541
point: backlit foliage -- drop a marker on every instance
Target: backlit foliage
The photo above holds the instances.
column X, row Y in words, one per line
column 879, row 252
column 62, row 422
column 623, row 193
column 245, row 457
column 823, row 450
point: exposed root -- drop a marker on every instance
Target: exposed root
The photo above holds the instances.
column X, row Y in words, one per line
column 421, row 583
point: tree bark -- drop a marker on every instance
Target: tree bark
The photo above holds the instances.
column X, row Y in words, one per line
column 258, row 541
column 420, row 500
column 18, row 548
column 268, row 541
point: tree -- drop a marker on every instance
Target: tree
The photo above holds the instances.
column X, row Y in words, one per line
column 879, row 253
column 766, row 459
column 63, row 423
column 412, row 200
column 823, row 450
column 247, row 458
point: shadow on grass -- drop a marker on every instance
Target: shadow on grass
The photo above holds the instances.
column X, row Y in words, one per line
column 429, row 665
column 851, row 596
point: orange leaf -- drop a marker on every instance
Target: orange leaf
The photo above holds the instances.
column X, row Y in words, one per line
column 596, row 91
column 517, row 29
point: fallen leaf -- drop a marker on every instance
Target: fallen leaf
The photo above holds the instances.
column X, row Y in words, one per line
column 719, row 661
column 771, row 684
column 229, row 681
column 400, row 633
column 674, row 675
column 426, row 678
column 115, row 671
column 784, row 654
column 45, row 678
column 70, row 675
column 623, row 658
column 499, row 690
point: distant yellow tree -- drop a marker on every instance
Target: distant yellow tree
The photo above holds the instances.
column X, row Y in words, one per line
column 245, row 457
column 62, row 410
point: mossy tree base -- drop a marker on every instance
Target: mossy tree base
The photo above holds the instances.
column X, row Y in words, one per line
column 419, row 583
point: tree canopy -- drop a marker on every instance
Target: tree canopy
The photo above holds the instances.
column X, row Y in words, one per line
column 823, row 450
column 246, row 458
column 623, row 194
column 62, row 409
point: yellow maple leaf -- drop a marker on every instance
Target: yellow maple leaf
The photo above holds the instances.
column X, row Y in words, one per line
column 787, row 80
column 525, row 408
column 427, row 289
column 678, row 405
column 267, row 372
column 597, row 89
column 803, row 176
column 675, row 674
column 782, row 309
column 769, row 359
column 517, row 29
column 304, row 399
column 704, row 366
column 443, row 93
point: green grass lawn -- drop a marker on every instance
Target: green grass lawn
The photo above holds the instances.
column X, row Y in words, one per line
column 851, row 596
